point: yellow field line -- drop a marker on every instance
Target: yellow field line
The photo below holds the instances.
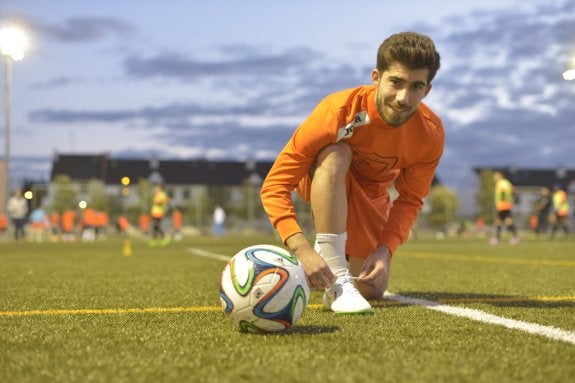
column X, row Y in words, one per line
column 154, row 310
column 196, row 309
column 486, row 259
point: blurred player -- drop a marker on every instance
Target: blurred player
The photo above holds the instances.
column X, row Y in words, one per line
column 160, row 202
column 68, row 225
column 561, row 208
column 177, row 222
column 504, row 206
column 543, row 207
column 344, row 157
column 40, row 222
column 17, row 208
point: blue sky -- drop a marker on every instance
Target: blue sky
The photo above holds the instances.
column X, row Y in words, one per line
column 233, row 79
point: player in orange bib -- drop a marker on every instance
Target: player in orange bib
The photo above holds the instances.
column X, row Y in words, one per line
column 343, row 159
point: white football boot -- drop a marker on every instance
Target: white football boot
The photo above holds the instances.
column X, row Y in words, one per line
column 344, row 298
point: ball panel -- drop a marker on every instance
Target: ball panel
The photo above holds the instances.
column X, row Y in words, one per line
column 242, row 272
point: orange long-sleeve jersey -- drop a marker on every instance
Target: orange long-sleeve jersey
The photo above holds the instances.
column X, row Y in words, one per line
column 408, row 154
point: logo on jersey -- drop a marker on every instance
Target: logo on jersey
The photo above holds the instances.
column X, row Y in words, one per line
column 372, row 163
column 360, row 119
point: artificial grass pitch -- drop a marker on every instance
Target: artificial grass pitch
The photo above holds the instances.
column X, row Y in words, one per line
column 85, row 312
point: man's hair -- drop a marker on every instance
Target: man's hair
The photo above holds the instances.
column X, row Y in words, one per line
column 410, row 49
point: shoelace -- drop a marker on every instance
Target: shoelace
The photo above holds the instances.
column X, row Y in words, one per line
column 347, row 285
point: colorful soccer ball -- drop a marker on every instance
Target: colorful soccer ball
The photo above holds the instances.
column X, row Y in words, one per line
column 263, row 289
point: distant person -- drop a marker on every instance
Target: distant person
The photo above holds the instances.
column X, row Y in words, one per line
column 177, row 222
column 17, row 208
column 101, row 222
column 219, row 218
column 561, row 208
column 543, row 207
column 480, row 226
column 40, row 223
column 160, row 204
column 122, row 224
column 55, row 226
column 88, row 225
column 3, row 223
column 504, row 207
column 68, row 225
column 144, row 225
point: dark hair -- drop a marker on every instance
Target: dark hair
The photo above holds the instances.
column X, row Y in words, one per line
column 410, row 49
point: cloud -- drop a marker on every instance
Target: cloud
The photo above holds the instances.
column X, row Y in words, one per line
column 85, row 29
column 57, row 82
column 501, row 95
column 239, row 61
column 499, row 92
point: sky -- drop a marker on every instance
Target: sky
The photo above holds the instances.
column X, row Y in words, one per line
column 225, row 79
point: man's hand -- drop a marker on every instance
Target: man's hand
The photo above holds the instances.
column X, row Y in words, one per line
column 318, row 273
column 375, row 271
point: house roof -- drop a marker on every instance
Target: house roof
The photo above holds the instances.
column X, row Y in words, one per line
column 172, row 172
column 528, row 177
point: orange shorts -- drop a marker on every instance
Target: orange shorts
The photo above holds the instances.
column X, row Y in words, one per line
column 366, row 216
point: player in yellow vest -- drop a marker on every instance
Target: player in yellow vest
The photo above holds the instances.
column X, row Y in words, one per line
column 561, row 208
column 160, row 202
column 504, row 206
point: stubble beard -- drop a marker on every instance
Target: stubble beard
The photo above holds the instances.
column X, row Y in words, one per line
column 389, row 115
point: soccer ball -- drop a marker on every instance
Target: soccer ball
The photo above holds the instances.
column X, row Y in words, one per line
column 263, row 289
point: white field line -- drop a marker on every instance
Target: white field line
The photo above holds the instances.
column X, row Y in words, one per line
column 207, row 254
column 481, row 316
column 477, row 315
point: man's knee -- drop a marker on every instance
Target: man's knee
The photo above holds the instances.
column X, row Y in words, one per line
column 375, row 289
column 334, row 158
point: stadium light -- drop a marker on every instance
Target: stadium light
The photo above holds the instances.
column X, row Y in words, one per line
column 569, row 74
column 13, row 42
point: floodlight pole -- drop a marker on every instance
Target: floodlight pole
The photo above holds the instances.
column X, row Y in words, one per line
column 7, row 122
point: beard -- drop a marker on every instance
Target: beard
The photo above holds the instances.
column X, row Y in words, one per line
column 393, row 115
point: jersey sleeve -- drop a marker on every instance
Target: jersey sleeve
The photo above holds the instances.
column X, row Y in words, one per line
column 413, row 184
column 293, row 163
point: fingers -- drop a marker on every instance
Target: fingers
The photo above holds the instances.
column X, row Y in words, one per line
column 370, row 272
column 322, row 279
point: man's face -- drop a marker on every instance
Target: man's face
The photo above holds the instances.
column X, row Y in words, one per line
column 399, row 92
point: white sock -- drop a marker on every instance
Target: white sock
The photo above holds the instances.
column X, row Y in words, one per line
column 332, row 248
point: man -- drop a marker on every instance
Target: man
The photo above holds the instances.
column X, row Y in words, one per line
column 160, row 203
column 504, row 206
column 561, row 208
column 543, row 206
column 343, row 159
column 219, row 217
column 17, row 208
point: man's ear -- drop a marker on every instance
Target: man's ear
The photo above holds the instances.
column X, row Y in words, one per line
column 375, row 76
column 428, row 90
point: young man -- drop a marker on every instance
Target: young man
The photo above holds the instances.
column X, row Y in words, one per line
column 160, row 204
column 504, row 207
column 561, row 208
column 543, row 206
column 17, row 208
column 343, row 159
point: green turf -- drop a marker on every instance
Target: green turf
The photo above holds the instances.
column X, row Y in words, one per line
column 531, row 282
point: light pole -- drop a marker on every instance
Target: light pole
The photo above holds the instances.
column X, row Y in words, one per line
column 13, row 41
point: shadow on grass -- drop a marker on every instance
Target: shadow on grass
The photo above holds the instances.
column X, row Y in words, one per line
column 312, row 330
column 492, row 299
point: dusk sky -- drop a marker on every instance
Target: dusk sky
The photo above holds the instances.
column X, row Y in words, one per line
column 233, row 79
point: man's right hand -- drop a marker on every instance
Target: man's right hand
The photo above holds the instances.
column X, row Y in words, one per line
column 318, row 273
